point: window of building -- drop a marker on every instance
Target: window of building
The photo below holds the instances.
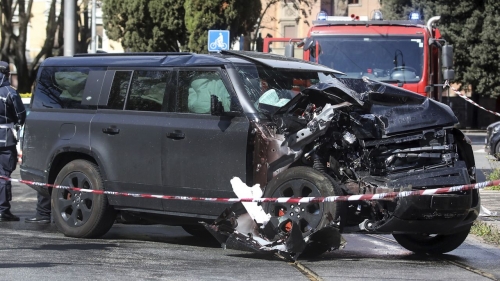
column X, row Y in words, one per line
column 352, row 2
column 328, row 7
column 290, row 31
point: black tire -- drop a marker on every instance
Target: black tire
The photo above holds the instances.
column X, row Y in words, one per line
column 496, row 153
column 81, row 214
column 434, row 245
column 304, row 182
column 197, row 231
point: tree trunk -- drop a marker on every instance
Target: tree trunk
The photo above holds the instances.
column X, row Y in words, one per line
column 23, row 75
column 48, row 46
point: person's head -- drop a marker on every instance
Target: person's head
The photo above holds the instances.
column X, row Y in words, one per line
column 4, row 73
column 264, row 86
column 4, row 68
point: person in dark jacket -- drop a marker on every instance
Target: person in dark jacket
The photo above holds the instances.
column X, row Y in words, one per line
column 12, row 113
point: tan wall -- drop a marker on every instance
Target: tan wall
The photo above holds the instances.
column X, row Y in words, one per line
column 364, row 8
column 38, row 24
column 284, row 16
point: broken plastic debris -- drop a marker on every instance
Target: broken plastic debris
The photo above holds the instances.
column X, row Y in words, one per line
column 487, row 213
column 247, row 227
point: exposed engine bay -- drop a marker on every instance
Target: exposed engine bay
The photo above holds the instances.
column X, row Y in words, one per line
column 366, row 138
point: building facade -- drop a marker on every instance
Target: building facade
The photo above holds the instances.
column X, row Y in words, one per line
column 280, row 19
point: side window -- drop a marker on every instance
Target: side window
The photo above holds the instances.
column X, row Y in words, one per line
column 195, row 89
column 61, row 87
column 119, row 89
column 147, row 90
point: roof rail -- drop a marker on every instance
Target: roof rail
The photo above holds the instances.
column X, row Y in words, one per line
column 132, row 54
column 369, row 22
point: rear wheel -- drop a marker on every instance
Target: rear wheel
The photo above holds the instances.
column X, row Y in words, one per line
column 432, row 244
column 81, row 214
column 303, row 182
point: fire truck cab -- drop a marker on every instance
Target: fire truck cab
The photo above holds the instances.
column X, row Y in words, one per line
column 407, row 53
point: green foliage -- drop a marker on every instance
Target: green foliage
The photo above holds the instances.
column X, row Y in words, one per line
column 486, row 232
column 472, row 27
column 145, row 25
column 237, row 16
column 494, row 175
column 166, row 25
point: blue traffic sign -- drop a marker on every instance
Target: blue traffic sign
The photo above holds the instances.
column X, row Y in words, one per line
column 218, row 40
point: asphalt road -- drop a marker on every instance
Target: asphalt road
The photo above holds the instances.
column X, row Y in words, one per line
column 128, row 252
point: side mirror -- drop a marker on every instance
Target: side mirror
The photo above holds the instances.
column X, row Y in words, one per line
column 448, row 74
column 216, row 107
column 447, row 62
column 308, row 43
column 289, row 50
column 447, row 56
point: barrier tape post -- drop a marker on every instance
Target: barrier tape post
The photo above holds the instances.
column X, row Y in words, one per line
column 368, row 197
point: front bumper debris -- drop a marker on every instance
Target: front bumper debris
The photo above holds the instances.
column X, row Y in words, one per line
column 236, row 230
column 246, row 227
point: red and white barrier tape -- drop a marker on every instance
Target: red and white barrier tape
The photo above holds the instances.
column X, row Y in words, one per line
column 446, row 84
column 379, row 196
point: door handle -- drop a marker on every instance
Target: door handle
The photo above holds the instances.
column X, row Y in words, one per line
column 176, row 135
column 111, row 130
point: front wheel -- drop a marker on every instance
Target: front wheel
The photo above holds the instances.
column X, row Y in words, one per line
column 310, row 217
column 81, row 214
column 432, row 244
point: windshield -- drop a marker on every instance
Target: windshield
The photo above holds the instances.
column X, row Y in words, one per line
column 384, row 58
column 271, row 88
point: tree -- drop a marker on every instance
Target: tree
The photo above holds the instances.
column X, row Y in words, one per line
column 303, row 6
column 13, row 46
column 171, row 25
column 145, row 25
column 237, row 16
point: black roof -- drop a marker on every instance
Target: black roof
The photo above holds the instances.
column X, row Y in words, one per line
column 159, row 59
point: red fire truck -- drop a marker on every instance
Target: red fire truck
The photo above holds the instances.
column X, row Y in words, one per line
column 408, row 53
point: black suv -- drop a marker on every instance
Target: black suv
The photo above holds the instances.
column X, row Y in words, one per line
column 185, row 124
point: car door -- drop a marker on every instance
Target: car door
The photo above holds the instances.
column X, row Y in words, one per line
column 126, row 134
column 202, row 153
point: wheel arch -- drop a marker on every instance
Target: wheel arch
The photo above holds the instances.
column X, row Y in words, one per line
column 62, row 158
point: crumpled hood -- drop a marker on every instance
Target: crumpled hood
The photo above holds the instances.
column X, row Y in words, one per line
column 400, row 110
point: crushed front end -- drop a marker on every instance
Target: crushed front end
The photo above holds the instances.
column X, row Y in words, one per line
column 367, row 137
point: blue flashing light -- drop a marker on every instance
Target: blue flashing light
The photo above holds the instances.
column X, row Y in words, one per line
column 414, row 16
column 322, row 15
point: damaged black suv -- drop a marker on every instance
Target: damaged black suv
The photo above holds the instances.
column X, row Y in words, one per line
column 185, row 124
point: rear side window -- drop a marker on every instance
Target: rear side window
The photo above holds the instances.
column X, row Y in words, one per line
column 139, row 90
column 63, row 87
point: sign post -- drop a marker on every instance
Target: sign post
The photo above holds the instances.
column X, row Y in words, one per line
column 218, row 40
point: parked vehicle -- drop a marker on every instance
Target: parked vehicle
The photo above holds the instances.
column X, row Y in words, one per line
column 20, row 130
column 185, row 124
column 492, row 140
column 408, row 53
